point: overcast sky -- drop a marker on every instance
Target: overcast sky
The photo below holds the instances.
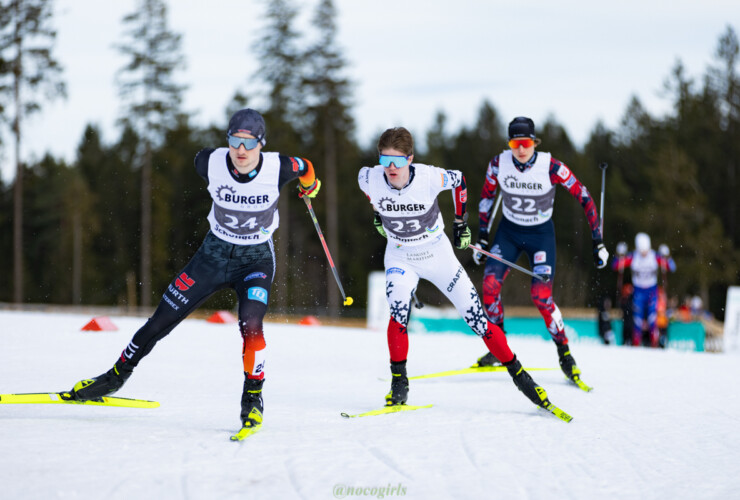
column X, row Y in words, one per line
column 579, row 61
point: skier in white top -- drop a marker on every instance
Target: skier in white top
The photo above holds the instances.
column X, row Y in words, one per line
column 404, row 197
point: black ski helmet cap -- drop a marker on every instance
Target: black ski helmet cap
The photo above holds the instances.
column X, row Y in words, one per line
column 248, row 121
column 521, row 126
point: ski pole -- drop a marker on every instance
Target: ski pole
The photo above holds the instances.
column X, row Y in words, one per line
column 347, row 300
column 603, row 166
column 540, row 277
column 417, row 303
column 495, row 211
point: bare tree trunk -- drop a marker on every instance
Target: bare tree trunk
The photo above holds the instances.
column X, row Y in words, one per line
column 18, row 222
column 18, row 186
column 332, row 222
column 77, row 259
column 146, row 227
column 130, row 291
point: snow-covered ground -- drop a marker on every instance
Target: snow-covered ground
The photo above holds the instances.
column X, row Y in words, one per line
column 659, row 424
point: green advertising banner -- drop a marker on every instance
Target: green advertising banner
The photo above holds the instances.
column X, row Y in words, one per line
column 681, row 336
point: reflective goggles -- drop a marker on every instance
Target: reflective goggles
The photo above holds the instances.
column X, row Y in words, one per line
column 397, row 161
column 235, row 142
column 524, row 142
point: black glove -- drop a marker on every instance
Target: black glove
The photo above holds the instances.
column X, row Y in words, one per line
column 480, row 258
column 601, row 255
column 461, row 233
column 379, row 225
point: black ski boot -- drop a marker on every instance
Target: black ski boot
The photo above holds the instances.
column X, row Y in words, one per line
column 526, row 385
column 399, row 392
column 102, row 385
column 567, row 363
column 252, row 406
column 488, row 359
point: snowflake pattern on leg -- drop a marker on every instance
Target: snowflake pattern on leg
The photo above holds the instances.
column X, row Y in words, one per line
column 475, row 317
column 400, row 312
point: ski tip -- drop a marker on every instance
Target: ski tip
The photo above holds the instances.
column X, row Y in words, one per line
column 345, row 415
column 557, row 412
column 244, row 433
column 581, row 384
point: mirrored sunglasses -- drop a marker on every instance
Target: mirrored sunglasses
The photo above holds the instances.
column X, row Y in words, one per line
column 235, row 142
column 398, row 161
column 525, row 142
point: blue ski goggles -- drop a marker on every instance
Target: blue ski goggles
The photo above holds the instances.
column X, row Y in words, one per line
column 248, row 144
column 397, row 161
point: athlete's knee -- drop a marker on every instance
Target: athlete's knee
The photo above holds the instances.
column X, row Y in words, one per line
column 491, row 288
column 399, row 308
column 252, row 334
column 541, row 294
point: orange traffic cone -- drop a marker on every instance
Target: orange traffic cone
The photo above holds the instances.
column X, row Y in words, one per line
column 309, row 321
column 222, row 317
column 100, row 323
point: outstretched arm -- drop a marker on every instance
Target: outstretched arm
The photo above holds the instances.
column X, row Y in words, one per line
column 561, row 174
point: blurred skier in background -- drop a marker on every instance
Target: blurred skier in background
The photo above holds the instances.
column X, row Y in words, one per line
column 644, row 264
column 603, row 308
column 527, row 180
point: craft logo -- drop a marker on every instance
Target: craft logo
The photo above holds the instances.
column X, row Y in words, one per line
column 454, row 280
column 510, row 182
column 184, row 282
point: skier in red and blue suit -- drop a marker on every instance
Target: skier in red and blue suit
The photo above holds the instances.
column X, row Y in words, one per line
column 527, row 179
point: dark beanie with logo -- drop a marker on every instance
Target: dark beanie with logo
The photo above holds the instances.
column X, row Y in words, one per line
column 521, row 126
column 248, row 121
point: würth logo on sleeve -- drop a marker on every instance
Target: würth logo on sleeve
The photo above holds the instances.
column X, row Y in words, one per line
column 184, row 282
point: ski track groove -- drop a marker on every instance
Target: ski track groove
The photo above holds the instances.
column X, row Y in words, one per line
column 386, row 460
column 466, row 450
column 293, row 479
